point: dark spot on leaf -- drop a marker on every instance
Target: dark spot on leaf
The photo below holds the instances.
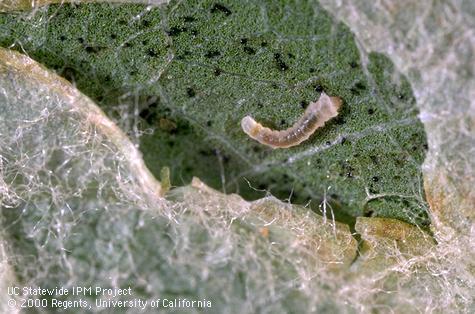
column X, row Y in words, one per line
column 152, row 53
column 290, row 55
column 190, row 92
column 176, row 30
column 375, row 179
column 149, row 116
column 249, row 50
column 212, row 54
column 274, row 86
column 81, row 40
column 374, row 159
column 113, row 36
column 260, row 105
column 318, row 88
column 339, row 120
column 360, row 86
column 328, row 143
column 145, row 23
column 369, row 213
column 256, row 149
column 62, row 38
column 280, row 63
column 217, row 72
column 154, row 102
column 189, row 19
column 93, row 49
column 425, row 146
column 209, row 123
column 371, row 111
column 311, row 70
column 194, row 32
column 144, row 113
column 148, row 113
column 128, row 45
column 264, row 44
column 206, row 153
column 282, row 122
column 220, row 8
column 344, row 140
column 303, row 104
column 145, row 42
column 354, row 64
column 243, row 41
column 355, row 91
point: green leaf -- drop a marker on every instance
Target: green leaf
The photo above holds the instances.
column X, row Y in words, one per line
column 192, row 69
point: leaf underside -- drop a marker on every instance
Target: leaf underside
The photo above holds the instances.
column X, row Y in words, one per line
column 192, row 69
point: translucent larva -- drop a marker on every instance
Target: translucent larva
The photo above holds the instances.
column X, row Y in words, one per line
column 314, row 117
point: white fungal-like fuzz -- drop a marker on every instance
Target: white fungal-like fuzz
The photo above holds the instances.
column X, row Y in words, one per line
column 314, row 117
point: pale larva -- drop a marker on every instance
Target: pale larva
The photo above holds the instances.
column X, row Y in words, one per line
column 315, row 116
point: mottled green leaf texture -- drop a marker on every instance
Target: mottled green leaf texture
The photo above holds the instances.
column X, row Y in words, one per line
column 179, row 78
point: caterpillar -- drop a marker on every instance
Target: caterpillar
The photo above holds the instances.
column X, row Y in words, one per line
column 314, row 117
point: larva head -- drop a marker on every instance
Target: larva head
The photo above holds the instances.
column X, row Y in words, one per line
column 330, row 104
column 337, row 102
column 250, row 126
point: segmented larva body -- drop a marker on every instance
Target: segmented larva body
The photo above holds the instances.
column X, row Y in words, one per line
column 314, row 117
